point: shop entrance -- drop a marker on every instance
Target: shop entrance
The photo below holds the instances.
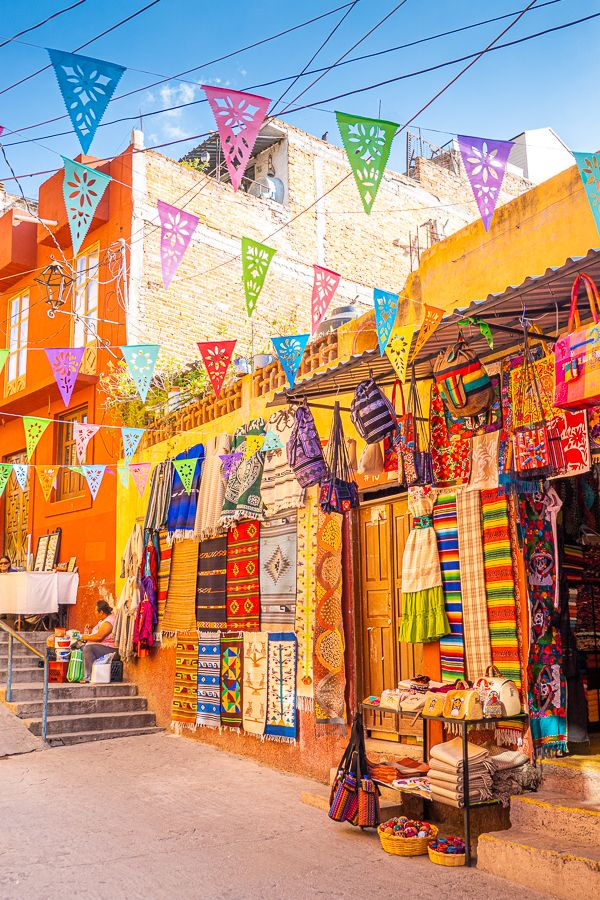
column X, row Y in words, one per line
column 16, row 515
column 384, row 528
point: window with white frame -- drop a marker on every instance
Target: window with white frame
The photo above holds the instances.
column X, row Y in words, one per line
column 18, row 325
column 85, row 304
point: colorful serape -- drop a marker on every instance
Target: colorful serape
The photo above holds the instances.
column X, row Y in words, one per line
column 500, row 585
column 476, row 635
column 278, row 568
column 180, row 610
column 183, row 504
column 232, row 651
column 328, row 651
column 305, row 599
column 209, row 679
column 185, row 690
column 281, row 687
column 255, row 681
column 164, row 572
column 211, row 586
column 243, row 597
column 161, row 484
column 452, row 648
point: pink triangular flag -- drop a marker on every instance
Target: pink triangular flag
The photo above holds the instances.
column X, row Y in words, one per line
column 65, row 363
column 177, row 228
column 140, row 472
column 324, row 287
column 239, row 117
column 84, row 432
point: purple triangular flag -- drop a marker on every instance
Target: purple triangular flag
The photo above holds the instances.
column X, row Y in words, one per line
column 65, row 363
column 177, row 228
column 230, row 461
column 485, row 162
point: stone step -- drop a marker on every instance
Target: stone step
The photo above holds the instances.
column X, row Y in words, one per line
column 26, row 675
column 550, row 813
column 574, row 776
column 82, row 737
column 25, row 692
column 93, row 722
column 563, row 869
column 79, row 707
column 37, row 639
column 20, row 661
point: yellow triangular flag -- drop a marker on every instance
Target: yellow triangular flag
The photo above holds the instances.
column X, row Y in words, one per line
column 254, row 443
column 398, row 348
column 433, row 317
column 47, row 478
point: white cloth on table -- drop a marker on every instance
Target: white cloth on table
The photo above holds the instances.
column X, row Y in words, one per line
column 36, row 593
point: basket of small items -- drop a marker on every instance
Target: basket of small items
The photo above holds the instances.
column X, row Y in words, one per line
column 448, row 851
column 406, row 837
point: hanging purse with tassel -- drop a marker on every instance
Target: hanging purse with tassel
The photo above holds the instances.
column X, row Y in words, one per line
column 415, row 453
column 339, row 491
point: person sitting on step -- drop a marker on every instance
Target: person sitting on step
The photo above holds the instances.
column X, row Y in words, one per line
column 101, row 640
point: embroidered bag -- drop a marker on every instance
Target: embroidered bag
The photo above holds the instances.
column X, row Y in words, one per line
column 463, row 703
column 577, row 354
column 371, row 412
column 506, row 690
column 339, row 491
column 434, row 704
column 305, row 454
column 465, row 386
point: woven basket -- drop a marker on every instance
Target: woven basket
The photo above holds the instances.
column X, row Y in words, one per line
column 446, row 859
column 401, row 846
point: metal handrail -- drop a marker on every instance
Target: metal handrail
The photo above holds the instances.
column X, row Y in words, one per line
column 15, row 636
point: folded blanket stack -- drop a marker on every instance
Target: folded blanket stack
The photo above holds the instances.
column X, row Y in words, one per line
column 513, row 774
column 447, row 777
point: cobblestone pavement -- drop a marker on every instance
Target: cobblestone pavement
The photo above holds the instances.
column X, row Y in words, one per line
column 164, row 817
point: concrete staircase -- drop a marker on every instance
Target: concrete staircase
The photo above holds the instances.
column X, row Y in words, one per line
column 76, row 712
column 553, row 844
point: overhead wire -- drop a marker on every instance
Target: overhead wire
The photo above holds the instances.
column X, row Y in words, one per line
column 30, row 28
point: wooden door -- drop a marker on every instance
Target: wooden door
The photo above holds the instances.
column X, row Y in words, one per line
column 16, row 515
column 378, row 626
column 410, row 656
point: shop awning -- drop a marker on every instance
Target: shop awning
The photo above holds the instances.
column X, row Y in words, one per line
column 543, row 299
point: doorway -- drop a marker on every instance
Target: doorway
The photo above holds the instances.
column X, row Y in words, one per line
column 16, row 515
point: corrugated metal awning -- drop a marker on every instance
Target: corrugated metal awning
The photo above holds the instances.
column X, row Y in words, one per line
column 543, row 299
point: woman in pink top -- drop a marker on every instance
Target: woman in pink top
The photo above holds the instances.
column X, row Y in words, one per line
column 101, row 641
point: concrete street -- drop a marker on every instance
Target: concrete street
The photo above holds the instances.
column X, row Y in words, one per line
column 166, row 817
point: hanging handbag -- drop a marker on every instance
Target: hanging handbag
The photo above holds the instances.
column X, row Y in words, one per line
column 371, row 461
column 393, row 441
column 371, row 412
column 354, row 796
column 339, row 491
column 304, row 451
column 577, row 354
column 463, row 703
column 464, row 385
column 416, row 456
column 506, row 690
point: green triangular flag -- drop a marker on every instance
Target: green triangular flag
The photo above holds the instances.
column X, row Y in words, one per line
column 368, row 143
column 3, row 358
column 34, row 429
column 256, row 259
column 487, row 333
column 77, row 469
column 5, row 470
column 186, row 469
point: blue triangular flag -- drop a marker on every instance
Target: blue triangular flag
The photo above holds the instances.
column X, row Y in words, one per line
column 272, row 441
column 87, row 85
column 141, row 359
column 386, row 307
column 131, row 438
column 290, row 350
column 83, row 189
column 589, row 169
column 21, row 475
column 123, row 473
column 93, row 476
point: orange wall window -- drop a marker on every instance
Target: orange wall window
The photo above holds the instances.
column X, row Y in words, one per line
column 69, row 484
column 85, row 303
column 18, row 326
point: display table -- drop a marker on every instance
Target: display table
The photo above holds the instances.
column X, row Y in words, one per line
column 36, row 593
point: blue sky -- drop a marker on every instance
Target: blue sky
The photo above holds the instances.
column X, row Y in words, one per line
column 542, row 82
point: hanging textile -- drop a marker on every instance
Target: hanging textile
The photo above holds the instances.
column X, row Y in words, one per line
column 477, row 648
column 212, row 488
column 279, row 489
column 278, row 572
column 255, row 682
column 451, row 458
column 305, row 599
column 208, row 711
column 328, row 647
column 423, row 613
column 243, row 596
column 161, row 483
column 232, row 651
column 164, row 574
column 484, row 462
column 185, row 690
column 500, row 585
column 546, row 681
column 242, row 491
column 452, row 648
column 182, row 508
column 211, row 585
column 180, row 610
column 489, row 420
column 281, row 687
